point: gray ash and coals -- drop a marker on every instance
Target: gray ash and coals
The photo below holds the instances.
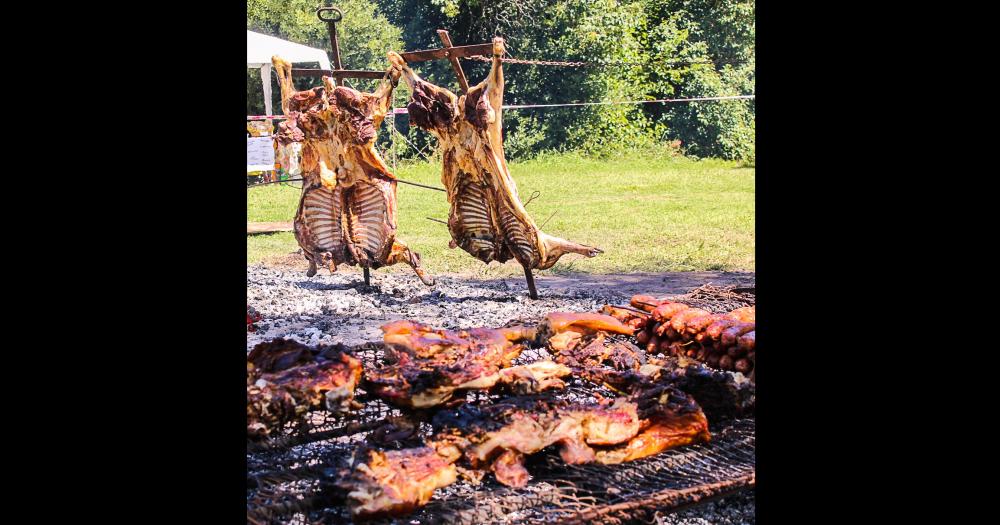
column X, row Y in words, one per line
column 339, row 308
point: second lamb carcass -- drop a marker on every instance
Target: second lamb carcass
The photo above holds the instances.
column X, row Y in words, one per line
column 486, row 219
column 347, row 213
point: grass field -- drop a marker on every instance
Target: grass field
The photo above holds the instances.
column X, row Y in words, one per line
column 647, row 214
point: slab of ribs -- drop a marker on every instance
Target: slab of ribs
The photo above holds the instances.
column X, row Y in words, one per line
column 347, row 212
column 286, row 380
column 486, row 218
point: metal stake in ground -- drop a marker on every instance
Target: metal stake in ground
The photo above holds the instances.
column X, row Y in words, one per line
column 368, row 277
column 531, row 283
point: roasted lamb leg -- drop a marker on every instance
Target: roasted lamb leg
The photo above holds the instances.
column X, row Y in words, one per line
column 347, row 212
column 486, row 218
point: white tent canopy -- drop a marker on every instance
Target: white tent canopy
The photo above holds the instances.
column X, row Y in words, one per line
column 260, row 49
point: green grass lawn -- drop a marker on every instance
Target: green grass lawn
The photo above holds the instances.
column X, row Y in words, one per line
column 647, row 214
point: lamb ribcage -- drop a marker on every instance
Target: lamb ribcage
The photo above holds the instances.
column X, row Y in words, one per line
column 371, row 229
column 519, row 239
column 471, row 221
column 322, row 210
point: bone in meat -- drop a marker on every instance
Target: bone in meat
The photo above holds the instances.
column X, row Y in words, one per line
column 347, row 211
column 486, row 218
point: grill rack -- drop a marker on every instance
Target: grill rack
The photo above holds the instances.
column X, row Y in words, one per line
column 289, row 477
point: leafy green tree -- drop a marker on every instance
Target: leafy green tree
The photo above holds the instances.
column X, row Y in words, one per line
column 640, row 50
column 722, row 34
column 365, row 36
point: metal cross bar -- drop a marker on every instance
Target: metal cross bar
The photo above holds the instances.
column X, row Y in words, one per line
column 455, row 64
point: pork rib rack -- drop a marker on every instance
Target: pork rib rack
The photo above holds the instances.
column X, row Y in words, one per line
column 347, row 212
column 486, row 218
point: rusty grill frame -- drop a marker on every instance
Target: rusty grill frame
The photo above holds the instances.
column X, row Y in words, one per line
column 290, row 477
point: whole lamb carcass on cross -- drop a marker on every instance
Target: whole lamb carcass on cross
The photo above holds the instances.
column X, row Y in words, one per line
column 487, row 218
column 347, row 212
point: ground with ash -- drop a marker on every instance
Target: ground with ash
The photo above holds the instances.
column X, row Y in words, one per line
column 339, row 308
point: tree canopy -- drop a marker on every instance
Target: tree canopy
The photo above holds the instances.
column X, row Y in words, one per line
column 640, row 50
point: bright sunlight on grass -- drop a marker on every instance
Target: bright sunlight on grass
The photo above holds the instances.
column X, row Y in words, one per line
column 647, row 214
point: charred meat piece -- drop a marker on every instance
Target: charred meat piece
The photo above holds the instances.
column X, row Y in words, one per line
column 274, row 399
column 603, row 351
column 519, row 426
column 587, row 341
column 498, row 437
column 431, row 365
column 347, row 211
column 487, row 218
column 396, row 482
column 720, row 394
column 280, row 354
column 670, row 419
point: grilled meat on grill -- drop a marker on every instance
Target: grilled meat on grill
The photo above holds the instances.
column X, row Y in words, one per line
column 590, row 341
column 486, row 218
column 397, row 482
column 632, row 318
column 280, row 354
column 347, row 212
column 498, row 436
column 720, row 395
column 274, row 399
column 430, row 365
column 670, row 418
column 726, row 341
column 566, row 330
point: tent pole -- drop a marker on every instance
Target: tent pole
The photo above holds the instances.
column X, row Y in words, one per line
column 265, row 78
